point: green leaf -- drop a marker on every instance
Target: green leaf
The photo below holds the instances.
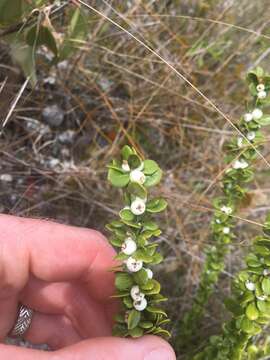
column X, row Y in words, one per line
column 141, row 277
column 155, row 289
column 118, row 178
column 157, row 259
column 150, row 166
column 264, row 120
column 232, row 305
column 126, row 215
column 119, row 330
column 134, row 161
column 146, row 324
column 136, row 332
column 133, row 319
column 264, row 307
column 162, row 332
column 128, row 302
column 77, row 31
column 126, row 152
column 150, row 225
column 10, row 11
column 156, row 205
column 116, row 242
column 153, row 179
column 24, row 55
column 137, row 190
column 155, row 310
column 266, row 286
column 123, row 281
column 252, row 312
column 41, row 35
column 143, row 255
column 250, row 327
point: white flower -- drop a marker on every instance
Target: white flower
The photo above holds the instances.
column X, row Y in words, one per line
column 140, row 305
column 226, row 230
column 250, row 285
column 129, row 246
column 240, row 164
column 262, row 297
column 251, row 135
column 218, row 221
column 149, row 273
column 239, row 141
column 226, row 209
column 134, row 265
column 137, row 176
column 248, row 117
column 257, row 114
column 125, row 166
column 262, row 95
column 260, row 87
column 138, row 206
column 266, row 272
column 136, row 294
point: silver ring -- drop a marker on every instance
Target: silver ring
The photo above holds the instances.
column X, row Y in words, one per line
column 24, row 320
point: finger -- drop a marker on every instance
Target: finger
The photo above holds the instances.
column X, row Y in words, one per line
column 88, row 317
column 146, row 348
column 53, row 252
column 9, row 313
column 54, row 330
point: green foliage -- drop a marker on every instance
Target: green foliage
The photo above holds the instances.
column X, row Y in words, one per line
column 26, row 26
column 132, row 233
column 241, row 153
column 250, row 307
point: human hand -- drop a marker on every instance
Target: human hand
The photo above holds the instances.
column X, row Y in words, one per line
column 61, row 272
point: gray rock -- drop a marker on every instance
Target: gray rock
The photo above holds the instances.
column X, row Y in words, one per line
column 53, row 115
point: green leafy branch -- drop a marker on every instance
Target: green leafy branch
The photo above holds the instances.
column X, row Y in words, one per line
column 240, row 157
column 132, row 235
column 249, row 305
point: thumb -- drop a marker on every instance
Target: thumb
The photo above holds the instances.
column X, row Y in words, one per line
column 112, row 348
column 145, row 348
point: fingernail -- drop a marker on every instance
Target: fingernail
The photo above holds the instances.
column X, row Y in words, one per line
column 160, row 354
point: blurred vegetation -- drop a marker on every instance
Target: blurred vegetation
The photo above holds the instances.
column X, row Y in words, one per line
column 107, row 89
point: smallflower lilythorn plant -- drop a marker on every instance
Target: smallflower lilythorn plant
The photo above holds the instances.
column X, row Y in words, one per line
column 132, row 235
column 241, row 153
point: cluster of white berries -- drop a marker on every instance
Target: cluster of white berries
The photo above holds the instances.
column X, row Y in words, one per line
column 139, row 301
column 256, row 114
column 138, row 297
column 261, row 91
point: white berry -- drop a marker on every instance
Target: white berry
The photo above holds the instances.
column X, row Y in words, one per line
column 262, row 95
column 226, row 230
column 239, row 141
column 260, row 87
column 250, row 285
column 240, row 164
column 149, row 273
column 251, row 135
column 129, row 246
column 136, row 294
column 138, row 206
column 226, row 209
column 257, row 114
column 125, row 166
column 137, row 176
column 140, row 305
column 134, row 265
column 248, row 117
